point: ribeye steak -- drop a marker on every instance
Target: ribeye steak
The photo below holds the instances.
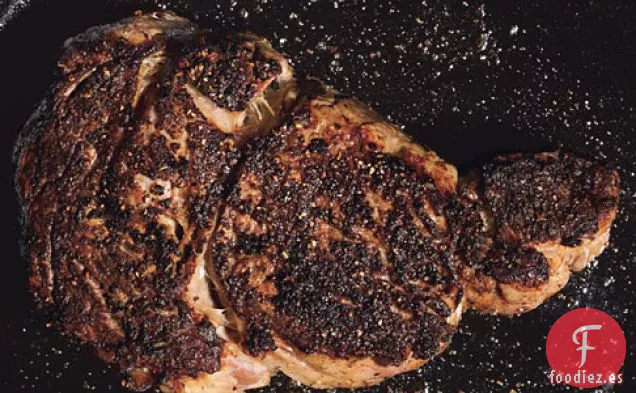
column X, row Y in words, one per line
column 204, row 218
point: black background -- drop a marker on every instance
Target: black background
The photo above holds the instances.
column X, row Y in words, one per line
column 466, row 78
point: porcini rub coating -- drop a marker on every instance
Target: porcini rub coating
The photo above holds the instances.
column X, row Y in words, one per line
column 203, row 218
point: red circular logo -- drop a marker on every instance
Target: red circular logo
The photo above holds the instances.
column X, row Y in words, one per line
column 586, row 348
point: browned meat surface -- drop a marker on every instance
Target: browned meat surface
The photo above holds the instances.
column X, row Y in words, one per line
column 526, row 221
column 333, row 248
column 203, row 219
column 120, row 175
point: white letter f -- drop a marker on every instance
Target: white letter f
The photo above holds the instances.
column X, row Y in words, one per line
column 584, row 347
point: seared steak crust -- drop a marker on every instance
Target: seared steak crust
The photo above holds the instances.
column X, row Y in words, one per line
column 479, row 247
column 228, row 73
column 204, row 220
column 335, row 243
column 548, row 197
column 525, row 218
column 120, row 174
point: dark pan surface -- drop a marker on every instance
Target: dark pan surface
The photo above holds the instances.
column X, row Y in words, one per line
column 464, row 78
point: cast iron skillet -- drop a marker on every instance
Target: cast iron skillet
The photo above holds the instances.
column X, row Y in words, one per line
column 466, row 79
